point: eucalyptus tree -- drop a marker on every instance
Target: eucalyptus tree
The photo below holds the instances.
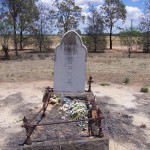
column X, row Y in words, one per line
column 27, row 15
column 20, row 12
column 43, row 27
column 67, row 15
column 145, row 27
column 5, row 33
column 94, row 30
column 11, row 10
column 130, row 37
column 113, row 11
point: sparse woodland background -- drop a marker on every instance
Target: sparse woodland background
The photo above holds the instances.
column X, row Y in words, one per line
column 30, row 25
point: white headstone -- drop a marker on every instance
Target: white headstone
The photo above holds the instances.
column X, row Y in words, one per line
column 70, row 64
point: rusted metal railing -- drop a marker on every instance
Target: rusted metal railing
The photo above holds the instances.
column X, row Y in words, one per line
column 95, row 113
column 90, row 81
column 94, row 116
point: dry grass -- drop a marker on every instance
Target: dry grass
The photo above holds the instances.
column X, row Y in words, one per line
column 111, row 66
column 102, row 69
column 117, row 69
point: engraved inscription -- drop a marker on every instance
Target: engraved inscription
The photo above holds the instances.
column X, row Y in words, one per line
column 69, row 70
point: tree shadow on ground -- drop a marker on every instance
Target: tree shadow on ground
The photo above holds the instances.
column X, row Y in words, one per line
column 143, row 103
column 13, row 99
column 118, row 124
column 11, row 126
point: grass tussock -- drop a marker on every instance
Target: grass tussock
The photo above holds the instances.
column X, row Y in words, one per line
column 105, row 84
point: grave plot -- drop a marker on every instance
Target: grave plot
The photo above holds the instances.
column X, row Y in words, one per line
column 74, row 116
column 71, row 118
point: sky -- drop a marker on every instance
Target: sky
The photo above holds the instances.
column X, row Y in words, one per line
column 134, row 10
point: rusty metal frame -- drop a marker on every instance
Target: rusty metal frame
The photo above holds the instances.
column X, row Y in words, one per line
column 94, row 116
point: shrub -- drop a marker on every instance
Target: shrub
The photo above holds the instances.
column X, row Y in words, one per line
column 126, row 81
column 144, row 89
column 143, row 125
column 5, row 50
column 146, row 47
column 105, row 84
column 89, row 43
column 52, row 72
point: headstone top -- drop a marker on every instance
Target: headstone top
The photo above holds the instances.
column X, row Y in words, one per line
column 69, row 38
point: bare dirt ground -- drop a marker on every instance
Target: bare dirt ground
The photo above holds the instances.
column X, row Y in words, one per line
column 124, row 107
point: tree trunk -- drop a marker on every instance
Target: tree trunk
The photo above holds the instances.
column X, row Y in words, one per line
column 21, row 40
column 65, row 29
column 40, row 46
column 21, row 35
column 41, row 38
column 110, row 37
column 148, row 42
column 95, row 45
column 40, row 42
column 6, row 54
column 15, row 36
column 129, row 52
column 5, row 50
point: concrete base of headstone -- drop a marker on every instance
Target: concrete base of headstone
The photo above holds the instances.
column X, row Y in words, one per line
column 82, row 144
column 84, row 95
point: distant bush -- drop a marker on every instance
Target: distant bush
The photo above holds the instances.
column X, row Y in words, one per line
column 143, row 125
column 52, row 72
column 105, row 84
column 144, row 89
column 89, row 43
column 126, row 81
column 5, row 50
column 146, row 47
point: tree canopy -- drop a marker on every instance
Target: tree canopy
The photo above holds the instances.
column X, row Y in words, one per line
column 144, row 27
column 34, row 18
column 67, row 15
column 95, row 28
column 21, row 14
